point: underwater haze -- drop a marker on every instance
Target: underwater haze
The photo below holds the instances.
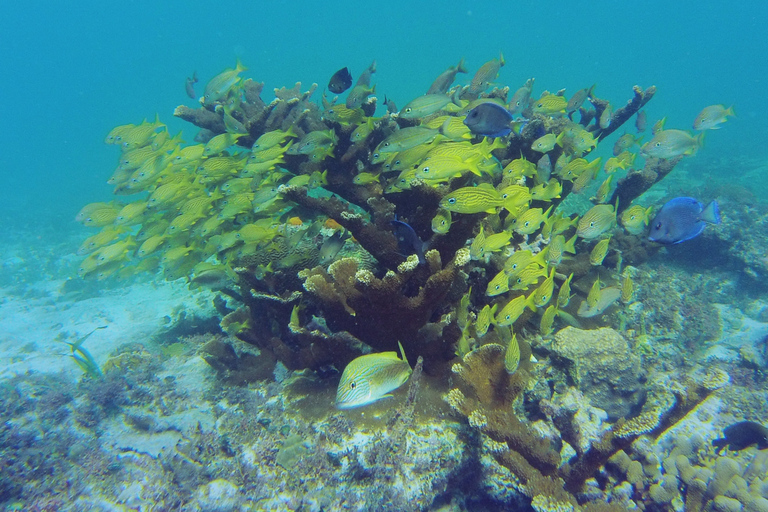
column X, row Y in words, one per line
column 77, row 69
column 541, row 287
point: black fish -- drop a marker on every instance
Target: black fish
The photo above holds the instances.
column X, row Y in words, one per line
column 408, row 242
column 191, row 85
column 741, row 435
column 340, row 81
column 489, row 119
column 681, row 219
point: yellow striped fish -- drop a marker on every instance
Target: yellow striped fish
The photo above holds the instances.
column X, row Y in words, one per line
column 371, row 377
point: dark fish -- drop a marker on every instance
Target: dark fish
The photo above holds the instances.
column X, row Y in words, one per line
column 190, row 85
column 489, row 119
column 408, row 242
column 340, row 81
column 741, row 435
column 390, row 104
column 681, row 219
column 640, row 121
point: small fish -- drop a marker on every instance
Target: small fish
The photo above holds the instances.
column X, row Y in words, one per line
column 601, row 196
column 526, row 277
column 606, row 116
column 578, row 99
column 543, row 169
column 641, row 121
column 635, row 218
column 408, row 242
column 273, row 138
column 522, row 98
column 371, row 377
column 712, row 117
column 625, row 142
column 332, row 246
column 520, row 260
column 605, row 299
column 658, row 126
column 219, row 143
column 627, row 288
column 544, row 143
column 547, row 320
column 485, row 75
column 340, row 81
column 498, row 284
column 511, row 311
column 599, row 251
column 462, row 313
column 444, row 81
column 518, row 168
column 550, row 104
column 530, row 220
column 681, row 219
column 361, row 133
column 543, row 293
column 489, row 119
column 362, row 89
column 512, row 355
column 491, row 243
column 672, row 143
column 598, row 219
column 483, row 321
column 365, row 178
column 558, row 247
column 564, row 294
column 742, row 435
column 190, row 85
column 594, row 293
column 441, row 222
column 483, row 198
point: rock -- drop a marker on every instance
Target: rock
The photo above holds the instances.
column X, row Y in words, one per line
column 217, row 496
column 603, row 367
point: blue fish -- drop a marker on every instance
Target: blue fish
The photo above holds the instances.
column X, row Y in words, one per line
column 489, row 119
column 408, row 242
column 681, row 219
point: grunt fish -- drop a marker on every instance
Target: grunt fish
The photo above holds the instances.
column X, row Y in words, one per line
column 672, row 143
column 487, row 73
column 444, row 81
column 371, row 377
column 712, row 117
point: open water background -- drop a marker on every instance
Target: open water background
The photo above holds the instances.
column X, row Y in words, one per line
column 73, row 70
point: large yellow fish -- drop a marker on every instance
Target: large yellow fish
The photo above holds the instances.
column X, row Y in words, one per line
column 511, row 311
column 712, row 117
column 371, row 377
column 483, row 198
column 635, row 218
column 672, row 143
column 598, row 219
column 486, row 74
column 425, row 105
column 220, row 85
column 550, row 104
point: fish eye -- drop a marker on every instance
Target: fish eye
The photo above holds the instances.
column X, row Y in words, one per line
column 452, row 200
column 498, row 286
column 386, row 144
column 426, row 169
column 591, row 224
column 658, row 144
column 407, row 110
column 527, row 223
column 658, row 225
column 352, row 385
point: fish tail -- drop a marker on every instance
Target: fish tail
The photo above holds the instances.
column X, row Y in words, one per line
column 730, row 112
column 711, row 213
column 699, row 142
column 460, row 68
column 501, row 59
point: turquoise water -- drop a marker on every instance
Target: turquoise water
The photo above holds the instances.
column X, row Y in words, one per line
column 75, row 70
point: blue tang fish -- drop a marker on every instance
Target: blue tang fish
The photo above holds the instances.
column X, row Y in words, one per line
column 489, row 119
column 408, row 242
column 681, row 219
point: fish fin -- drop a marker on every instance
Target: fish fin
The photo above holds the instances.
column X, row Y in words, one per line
column 402, row 353
column 711, row 213
column 730, row 112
